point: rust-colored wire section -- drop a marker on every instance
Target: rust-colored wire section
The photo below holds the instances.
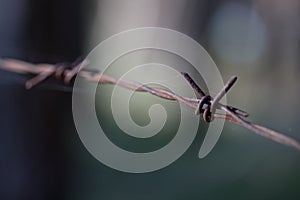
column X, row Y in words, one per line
column 204, row 105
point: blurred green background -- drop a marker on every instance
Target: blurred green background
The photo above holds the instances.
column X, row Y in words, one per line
column 42, row 156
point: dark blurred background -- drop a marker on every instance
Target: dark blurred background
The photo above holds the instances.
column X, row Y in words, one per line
column 41, row 154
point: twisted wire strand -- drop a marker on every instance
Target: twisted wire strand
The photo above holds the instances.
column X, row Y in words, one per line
column 61, row 71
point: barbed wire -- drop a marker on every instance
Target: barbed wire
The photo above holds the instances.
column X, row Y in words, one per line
column 204, row 105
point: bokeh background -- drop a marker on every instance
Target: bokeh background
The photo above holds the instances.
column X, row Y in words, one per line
column 41, row 154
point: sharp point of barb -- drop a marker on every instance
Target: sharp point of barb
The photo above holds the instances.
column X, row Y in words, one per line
column 230, row 83
column 184, row 73
column 193, row 84
column 28, row 85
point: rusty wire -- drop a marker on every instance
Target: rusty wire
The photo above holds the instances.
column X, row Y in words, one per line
column 204, row 104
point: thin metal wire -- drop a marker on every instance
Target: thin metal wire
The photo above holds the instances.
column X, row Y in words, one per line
column 193, row 84
column 67, row 73
column 221, row 94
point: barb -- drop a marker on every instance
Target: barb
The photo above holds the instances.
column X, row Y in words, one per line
column 205, row 104
column 193, row 84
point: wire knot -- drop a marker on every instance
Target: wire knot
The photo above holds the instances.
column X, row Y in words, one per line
column 60, row 71
column 204, row 107
column 208, row 105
